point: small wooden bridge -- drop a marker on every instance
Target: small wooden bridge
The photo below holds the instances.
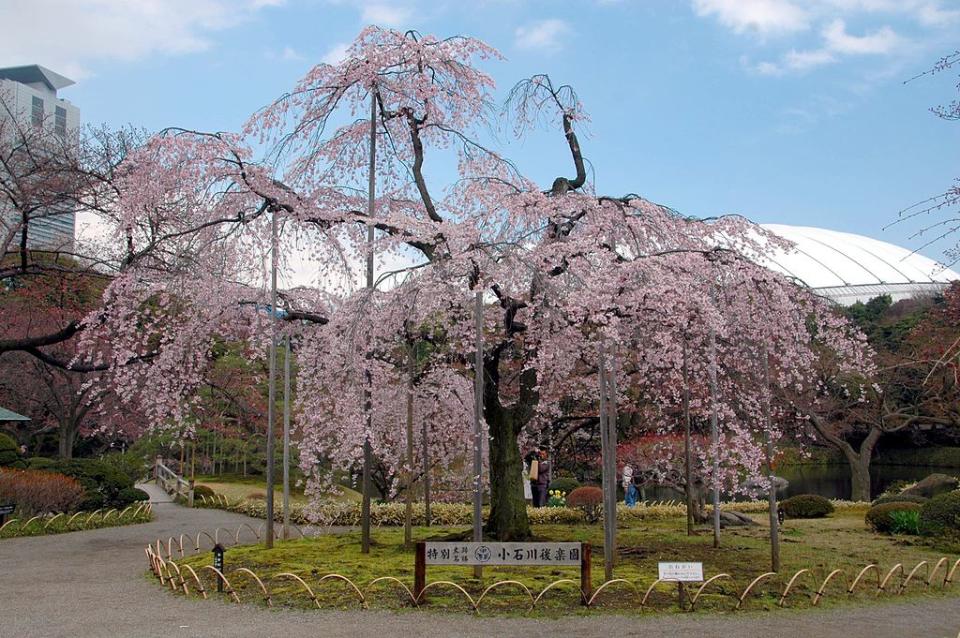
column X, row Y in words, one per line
column 172, row 483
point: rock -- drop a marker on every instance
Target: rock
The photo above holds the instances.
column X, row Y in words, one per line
column 933, row 485
column 735, row 519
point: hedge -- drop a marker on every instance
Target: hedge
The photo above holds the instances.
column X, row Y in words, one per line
column 806, row 506
column 941, row 514
column 900, row 498
column 392, row 514
column 882, row 518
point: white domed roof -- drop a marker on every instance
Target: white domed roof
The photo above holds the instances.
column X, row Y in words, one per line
column 848, row 268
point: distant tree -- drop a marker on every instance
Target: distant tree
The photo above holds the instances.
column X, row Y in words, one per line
column 912, row 386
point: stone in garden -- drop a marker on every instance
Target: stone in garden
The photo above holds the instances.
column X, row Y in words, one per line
column 933, row 485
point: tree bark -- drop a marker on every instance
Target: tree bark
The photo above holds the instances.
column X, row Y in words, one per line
column 858, row 459
column 508, row 513
column 68, row 436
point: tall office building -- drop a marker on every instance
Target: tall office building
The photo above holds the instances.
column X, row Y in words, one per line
column 31, row 96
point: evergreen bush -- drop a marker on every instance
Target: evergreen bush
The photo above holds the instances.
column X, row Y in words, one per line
column 941, row 514
column 806, row 506
column 881, row 518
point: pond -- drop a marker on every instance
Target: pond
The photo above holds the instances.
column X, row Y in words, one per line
column 830, row 481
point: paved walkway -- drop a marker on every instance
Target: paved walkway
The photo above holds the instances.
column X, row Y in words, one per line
column 93, row 584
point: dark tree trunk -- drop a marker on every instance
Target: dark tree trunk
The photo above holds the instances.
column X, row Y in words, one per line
column 508, row 512
column 860, row 479
column 858, row 459
column 68, row 436
column 508, row 509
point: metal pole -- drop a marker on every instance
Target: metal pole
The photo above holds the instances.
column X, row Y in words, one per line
column 477, row 416
column 687, row 470
column 714, row 436
column 426, row 472
column 408, row 511
column 772, row 490
column 608, row 482
column 286, row 439
column 612, row 457
column 367, row 452
column 272, row 393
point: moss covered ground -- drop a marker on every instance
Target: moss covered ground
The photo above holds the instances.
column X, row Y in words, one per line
column 840, row 541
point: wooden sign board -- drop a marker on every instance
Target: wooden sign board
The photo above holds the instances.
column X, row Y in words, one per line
column 517, row 554
column 681, row 572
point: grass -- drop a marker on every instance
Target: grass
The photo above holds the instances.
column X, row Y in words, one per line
column 820, row 545
column 62, row 523
column 255, row 488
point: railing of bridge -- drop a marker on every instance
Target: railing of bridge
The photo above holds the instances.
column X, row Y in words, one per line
column 171, row 482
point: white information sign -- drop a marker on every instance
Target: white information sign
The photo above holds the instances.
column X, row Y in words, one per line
column 681, row 572
column 502, row 553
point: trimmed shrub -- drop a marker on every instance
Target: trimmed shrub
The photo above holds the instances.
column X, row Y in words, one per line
column 941, row 514
column 129, row 495
column 900, row 498
column 91, row 501
column 38, row 492
column 9, row 452
column 202, row 491
column 806, row 506
column 131, row 465
column 564, row 484
column 880, row 518
column 101, row 481
column 40, row 463
column 589, row 500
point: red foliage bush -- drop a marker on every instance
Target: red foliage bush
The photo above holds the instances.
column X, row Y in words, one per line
column 39, row 492
column 589, row 499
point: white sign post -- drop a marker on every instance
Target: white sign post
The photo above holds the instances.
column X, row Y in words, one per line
column 680, row 573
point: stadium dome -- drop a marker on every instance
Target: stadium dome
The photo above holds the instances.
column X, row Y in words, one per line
column 848, row 268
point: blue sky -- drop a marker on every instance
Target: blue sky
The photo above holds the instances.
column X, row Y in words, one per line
column 785, row 111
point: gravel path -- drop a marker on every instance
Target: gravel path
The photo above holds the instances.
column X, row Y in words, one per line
column 92, row 584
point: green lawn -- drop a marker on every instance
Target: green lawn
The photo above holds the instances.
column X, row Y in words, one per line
column 255, row 488
column 838, row 542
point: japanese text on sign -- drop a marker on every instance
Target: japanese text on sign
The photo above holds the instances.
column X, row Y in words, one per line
column 681, row 572
column 503, row 553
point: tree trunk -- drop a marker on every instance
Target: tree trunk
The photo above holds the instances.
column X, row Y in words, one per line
column 859, row 477
column 508, row 513
column 859, row 460
column 68, row 436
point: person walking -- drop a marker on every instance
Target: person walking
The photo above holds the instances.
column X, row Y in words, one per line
column 542, row 484
column 629, row 489
column 527, row 488
column 532, row 474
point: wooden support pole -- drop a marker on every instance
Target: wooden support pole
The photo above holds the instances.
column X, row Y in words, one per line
column 586, row 579
column 419, row 570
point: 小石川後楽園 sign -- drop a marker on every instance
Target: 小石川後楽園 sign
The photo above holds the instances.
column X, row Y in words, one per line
column 502, row 553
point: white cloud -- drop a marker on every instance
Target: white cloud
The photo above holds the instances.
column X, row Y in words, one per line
column 336, row 54
column 68, row 36
column 759, row 16
column 836, row 44
column 879, row 42
column 806, row 60
column 287, row 54
column 386, row 15
column 546, row 35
